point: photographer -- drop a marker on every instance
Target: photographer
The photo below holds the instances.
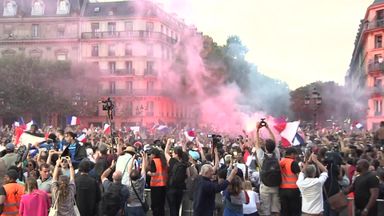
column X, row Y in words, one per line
column 268, row 157
column 332, row 160
column 177, row 174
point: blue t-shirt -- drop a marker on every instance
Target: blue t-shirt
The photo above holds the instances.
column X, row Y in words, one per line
column 72, row 151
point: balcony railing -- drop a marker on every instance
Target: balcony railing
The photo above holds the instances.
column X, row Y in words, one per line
column 125, row 72
column 149, row 72
column 375, row 67
column 129, row 34
column 118, row 72
column 131, row 92
column 375, row 24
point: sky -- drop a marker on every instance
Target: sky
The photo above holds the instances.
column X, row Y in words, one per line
column 296, row 41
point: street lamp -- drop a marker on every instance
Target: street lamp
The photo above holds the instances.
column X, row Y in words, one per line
column 314, row 100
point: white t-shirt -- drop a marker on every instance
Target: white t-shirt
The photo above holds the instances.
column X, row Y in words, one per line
column 312, row 193
column 251, row 206
column 121, row 165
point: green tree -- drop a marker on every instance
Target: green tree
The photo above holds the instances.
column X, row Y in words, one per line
column 37, row 87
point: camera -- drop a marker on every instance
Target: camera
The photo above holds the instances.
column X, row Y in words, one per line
column 107, row 104
column 216, row 140
column 263, row 123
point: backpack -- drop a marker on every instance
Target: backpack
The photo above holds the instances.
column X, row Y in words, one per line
column 178, row 175
column 111, row 200
column 270, row 173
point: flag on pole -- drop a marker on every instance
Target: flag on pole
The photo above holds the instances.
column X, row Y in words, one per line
column 73, row 120
column 26, row 138
column 190, row 135
column 82, row 138
column 29, row 124
column 288, row 132
column 106, row 128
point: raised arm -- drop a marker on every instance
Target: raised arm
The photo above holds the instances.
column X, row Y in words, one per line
column 108, row 171
column 145, row 163
column 270, row 133
column 71, row 170
column 55, row 175
column 167, row 152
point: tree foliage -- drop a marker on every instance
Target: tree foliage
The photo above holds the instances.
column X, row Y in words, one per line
column 337, row 105
column 37, row 87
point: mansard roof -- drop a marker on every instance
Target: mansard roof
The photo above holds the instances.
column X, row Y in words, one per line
column 122, row 8
column 24, row 8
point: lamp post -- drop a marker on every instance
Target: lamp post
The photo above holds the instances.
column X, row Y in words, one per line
column 313, row 101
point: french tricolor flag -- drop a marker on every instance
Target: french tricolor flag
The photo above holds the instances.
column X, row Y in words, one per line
column 82, row 138
column 19, row 123
column 190, row 135
column 106, row 128
column 29, row 124
column 73, row 120
column 289, row 133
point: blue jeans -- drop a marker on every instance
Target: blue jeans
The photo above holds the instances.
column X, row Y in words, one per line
column 134, row 211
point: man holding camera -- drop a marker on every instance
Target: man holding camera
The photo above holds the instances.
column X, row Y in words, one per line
column 268, row 157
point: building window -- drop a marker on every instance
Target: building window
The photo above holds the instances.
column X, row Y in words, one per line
column 35, row 30
column 112, row 87
column 378, row 58
column 38, row 7
column 10, row 8
column 95, row 27
column 150, row 86
column 112, row 28
column 150, row 27
column 112, row 67
column 150, row 50
column 378, row 41
column 129, row 67
column 129, row 85
column 62, row 7
column 378, row 107
column 129, row 26
column 150, row 67
column 151, row 108
column 61, row 30
column 128, row 50
column 111, row 50
column 95, row 50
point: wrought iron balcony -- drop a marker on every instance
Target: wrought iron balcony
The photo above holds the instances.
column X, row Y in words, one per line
column 149, row 72
column 128, row 35
column 131, row 92
column 375, row 24
column 376, row 67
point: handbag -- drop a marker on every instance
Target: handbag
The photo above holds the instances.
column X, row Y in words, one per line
column 53, row 209
column 338, row 201
column 144, row 204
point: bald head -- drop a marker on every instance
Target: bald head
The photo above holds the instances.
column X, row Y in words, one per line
column 117, row 176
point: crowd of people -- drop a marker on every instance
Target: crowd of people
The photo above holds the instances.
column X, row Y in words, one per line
column 247, row 174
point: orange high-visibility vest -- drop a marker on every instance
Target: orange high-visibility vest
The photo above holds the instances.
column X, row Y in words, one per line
column 13, row 191
column 288, row 178
column 159, row 178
